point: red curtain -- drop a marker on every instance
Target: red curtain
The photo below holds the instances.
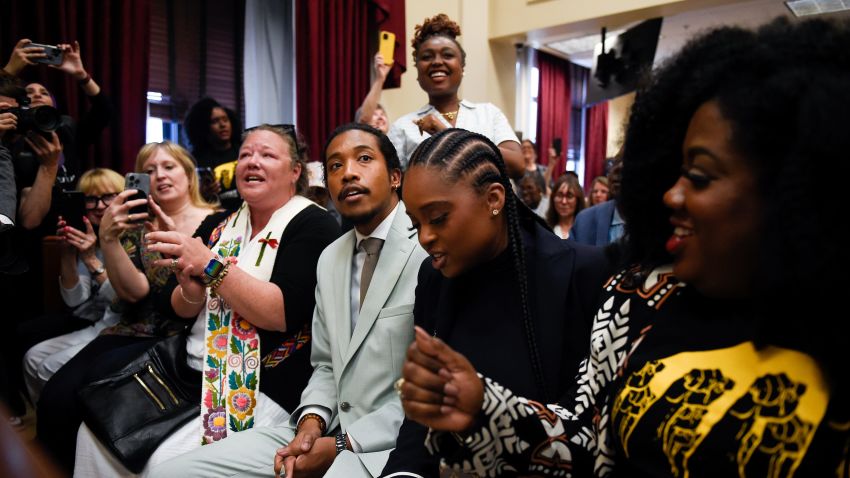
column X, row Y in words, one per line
column 553, row 107
column 596, row 142
column 113, row 39
column 332, row 60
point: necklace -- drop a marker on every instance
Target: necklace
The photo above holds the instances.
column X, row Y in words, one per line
column 450, row 115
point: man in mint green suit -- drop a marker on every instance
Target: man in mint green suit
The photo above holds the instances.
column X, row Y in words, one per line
column 349, row 416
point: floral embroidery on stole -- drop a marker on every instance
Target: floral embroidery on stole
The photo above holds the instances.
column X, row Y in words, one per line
column 231, row 375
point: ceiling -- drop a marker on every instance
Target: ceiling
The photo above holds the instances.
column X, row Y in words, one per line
column 676, row 29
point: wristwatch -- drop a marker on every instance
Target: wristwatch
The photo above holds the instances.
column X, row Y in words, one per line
column 212, row 270
column 340, row 443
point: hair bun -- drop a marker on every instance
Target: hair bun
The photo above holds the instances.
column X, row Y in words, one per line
column 438, row 25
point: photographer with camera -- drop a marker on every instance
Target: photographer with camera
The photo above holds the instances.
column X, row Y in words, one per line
column 75, row 136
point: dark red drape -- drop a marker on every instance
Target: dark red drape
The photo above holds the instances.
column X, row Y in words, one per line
column 553, row 107
column 596, row 142
column 113, row 39
column 389, row 15
column 332, row 61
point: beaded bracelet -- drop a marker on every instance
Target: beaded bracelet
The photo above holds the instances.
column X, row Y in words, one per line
column 218, row 280
column 315, row 416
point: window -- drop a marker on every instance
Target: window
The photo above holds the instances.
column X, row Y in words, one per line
column 195, row 51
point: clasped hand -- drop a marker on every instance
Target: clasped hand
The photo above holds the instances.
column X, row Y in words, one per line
column 308, row 455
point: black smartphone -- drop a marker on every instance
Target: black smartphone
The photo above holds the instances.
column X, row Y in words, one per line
column 141, row 182
column 72, row 208
column 53, row 52
column 556, row 145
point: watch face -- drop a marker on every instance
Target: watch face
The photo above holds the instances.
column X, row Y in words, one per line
column 212, row 270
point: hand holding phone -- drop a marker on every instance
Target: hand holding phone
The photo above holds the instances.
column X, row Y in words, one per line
column 53, row 54
column 72, row 208
column 556, row 145
column 141, row 182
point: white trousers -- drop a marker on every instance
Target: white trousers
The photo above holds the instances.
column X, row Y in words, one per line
column 45, row 358
column 94, row 460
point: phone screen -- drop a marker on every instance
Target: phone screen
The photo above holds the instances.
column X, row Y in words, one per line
column 72, row 208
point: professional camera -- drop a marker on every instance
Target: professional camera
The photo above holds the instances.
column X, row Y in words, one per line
column 44, row 119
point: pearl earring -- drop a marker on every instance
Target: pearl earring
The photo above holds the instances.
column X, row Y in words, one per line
column 495, row 212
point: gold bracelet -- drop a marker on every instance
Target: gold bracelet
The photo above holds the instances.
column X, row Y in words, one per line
column 314, row 416
column 218, row 280
column 186, row 299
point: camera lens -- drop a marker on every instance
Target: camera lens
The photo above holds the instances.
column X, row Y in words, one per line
column 46, row 118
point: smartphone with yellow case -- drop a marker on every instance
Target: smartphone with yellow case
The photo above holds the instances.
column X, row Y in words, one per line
column 386, row 46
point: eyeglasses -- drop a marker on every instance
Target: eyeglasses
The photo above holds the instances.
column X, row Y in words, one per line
column 288, row 129
column 106, row 199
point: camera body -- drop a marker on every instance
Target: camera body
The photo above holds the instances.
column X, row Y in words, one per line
column 43, row 119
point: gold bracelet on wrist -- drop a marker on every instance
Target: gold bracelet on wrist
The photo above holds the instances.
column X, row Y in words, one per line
column 219, row 279
column 186, row 299
column 315, row 416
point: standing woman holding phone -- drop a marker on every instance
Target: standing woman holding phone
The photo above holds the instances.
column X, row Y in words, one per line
column 439, row 61
column 143, row 288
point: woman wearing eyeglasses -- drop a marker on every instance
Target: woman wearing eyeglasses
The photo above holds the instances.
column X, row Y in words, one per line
column 51, row 340
column 142, row 288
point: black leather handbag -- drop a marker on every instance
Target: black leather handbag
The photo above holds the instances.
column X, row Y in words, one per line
column 134, row 409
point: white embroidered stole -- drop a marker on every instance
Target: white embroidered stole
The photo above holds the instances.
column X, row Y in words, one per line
column 231, row 375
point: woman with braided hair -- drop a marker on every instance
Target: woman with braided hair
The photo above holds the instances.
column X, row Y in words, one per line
column 440, row 60
column 499, row 285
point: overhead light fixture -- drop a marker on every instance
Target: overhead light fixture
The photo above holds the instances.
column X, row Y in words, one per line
column 802, row 8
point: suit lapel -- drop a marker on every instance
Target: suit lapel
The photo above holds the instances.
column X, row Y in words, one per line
column 394, row 256
column 342, row 284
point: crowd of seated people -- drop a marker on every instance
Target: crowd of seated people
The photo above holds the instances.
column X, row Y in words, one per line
column 457, row 328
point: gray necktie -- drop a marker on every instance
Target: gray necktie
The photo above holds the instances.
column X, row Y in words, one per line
column 372, row 247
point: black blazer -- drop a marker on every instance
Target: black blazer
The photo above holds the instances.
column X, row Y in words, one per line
column 562, row 317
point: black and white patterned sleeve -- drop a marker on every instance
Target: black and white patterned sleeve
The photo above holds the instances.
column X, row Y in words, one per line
column 517, row 436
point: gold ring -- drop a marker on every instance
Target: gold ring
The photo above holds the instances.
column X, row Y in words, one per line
column 174, row 262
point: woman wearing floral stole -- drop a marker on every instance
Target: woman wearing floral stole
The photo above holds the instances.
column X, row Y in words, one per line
column 250, row 291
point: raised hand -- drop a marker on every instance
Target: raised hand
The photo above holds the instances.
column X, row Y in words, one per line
column 381, row 68
column 117, row 218
column 23, row 56
column 440, row 388
column 83, row 242
column 188, row 251
column 162, row 221
column 72, row 64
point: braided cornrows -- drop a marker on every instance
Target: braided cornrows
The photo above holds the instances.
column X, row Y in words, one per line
column 461, row 154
